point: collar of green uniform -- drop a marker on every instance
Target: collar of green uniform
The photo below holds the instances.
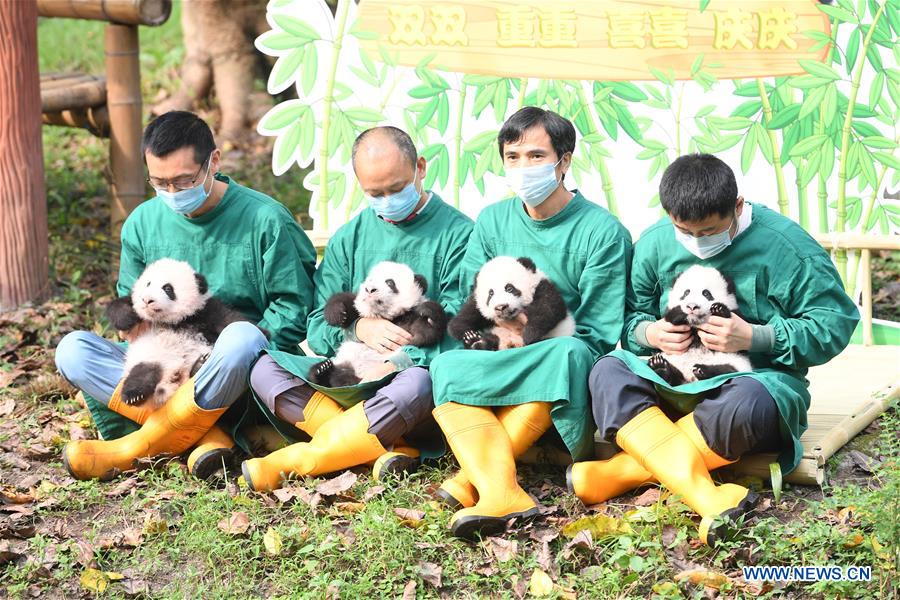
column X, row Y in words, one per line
column 570, row 209
column 221, row 206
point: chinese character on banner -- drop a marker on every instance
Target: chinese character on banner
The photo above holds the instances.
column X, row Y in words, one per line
column 668, row 28
column 626, row 29
column 775, row 28
column 449, row 25
column 732, row 27
column 408, row 23
column 515, row 27
column 558, row 27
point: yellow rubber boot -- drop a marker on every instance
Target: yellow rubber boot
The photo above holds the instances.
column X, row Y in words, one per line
column 318, row 411
column 665, row 450
column 484, row 453
column 402, row 459
column 341, row 442
column 524, row 424
column 596, row 481
column 215, row 448
column 171, row 429
column 599, row 480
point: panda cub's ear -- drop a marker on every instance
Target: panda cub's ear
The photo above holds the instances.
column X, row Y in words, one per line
column 527, row 263
column 202, row 285
column 421, row 282
column 729, row 284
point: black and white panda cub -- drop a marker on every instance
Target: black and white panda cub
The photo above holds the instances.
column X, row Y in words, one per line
column 391, row 291
column 185, row 321
column 698, row 293
column 507, row 292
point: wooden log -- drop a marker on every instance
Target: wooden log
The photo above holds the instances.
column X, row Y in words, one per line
column 24, row 256
column 94, row 119
column 66, row 80
column 81, row 94
column 124, row 12
column 123, row 100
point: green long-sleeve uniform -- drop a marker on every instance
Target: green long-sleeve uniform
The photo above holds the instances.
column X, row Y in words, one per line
column 586, row 253
column 784, row 280
column 432, row 244
column 251, row 251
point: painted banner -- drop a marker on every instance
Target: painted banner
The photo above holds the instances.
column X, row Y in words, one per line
column 616, row 40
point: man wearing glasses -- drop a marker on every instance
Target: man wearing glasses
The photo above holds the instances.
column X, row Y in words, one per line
column 247, row 245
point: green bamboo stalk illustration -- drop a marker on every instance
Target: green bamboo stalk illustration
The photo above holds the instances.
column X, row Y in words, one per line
column 678, row 122
column 802, row 202
column 854, row 269
column 342, row 10
column 457, row 143
column 523, row 86
column 823, row 190
column 608, row 189
column 845, row 146
column 776, row 153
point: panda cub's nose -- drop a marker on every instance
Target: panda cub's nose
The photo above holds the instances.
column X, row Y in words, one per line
column 693, row 307
column 371, row 290
column 501, row 307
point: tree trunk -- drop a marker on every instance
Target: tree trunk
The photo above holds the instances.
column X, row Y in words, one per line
column 23, row 200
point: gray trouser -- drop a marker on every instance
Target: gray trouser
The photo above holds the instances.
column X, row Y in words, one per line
column 395, row 410
column 736, row 418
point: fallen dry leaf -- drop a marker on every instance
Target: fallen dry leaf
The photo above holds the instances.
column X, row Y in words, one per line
column 704, row 577
column 540, row 585
column 598, row 525
column 154, row 523
column 503, row 549
column 122, row 488
column 7, row 406
column 431, row 573
column 373, row 491
column 854, row 540
column 409, row 517
column 97, row 581
column 237, row 524
column 544, row 534
column 651, row 496
column 85, row 553
column 349, row 507
column 272, row 542
column 409, row 591
column 9, row 495
column 341, row 483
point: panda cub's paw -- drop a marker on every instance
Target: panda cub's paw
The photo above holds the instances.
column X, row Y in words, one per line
column 339, row 310
column 717, row 309
column 485, row 341
column 659, row 364
column 318, row 373
column 141, row 383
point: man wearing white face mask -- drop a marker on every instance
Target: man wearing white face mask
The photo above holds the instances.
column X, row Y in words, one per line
column 249, row 248
column 493, row 405
column 794, row 315
column 403, row 223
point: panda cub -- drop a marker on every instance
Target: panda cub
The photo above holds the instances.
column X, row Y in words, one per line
column 185, row 321
column 511, row 291
column 391, row 291
column 698, row 293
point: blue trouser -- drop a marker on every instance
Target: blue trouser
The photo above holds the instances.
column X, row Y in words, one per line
column 95, row 365
column 735, row 419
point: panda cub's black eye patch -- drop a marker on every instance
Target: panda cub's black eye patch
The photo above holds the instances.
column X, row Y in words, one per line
column 511, row 289
column 685, row 294
column 391, row 284
column 169, row 290
column 490, row 295
column 707, row 295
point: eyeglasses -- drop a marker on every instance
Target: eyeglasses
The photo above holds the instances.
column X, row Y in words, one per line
column 180, row 183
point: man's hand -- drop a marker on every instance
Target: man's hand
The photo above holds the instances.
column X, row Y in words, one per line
column 381, row 335
column 135, row 332
column 376, row 373
column 671, row 339
column 731, row 334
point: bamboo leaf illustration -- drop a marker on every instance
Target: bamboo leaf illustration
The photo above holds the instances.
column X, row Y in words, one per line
column 285, row 147
column 888, row 160
column 786, row 116
column 808, row 145
column 818, row 69
column 852, row 49
column 282, row 115
column 294, row 26
column 285, row 71
column 276, row 41
column 310, row 66
column 365, row 115
column 838, row 13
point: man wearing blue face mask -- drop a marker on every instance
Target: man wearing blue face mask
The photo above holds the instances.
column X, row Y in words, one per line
column 248, row 246
column 405, row 223
column 493, row 405
column 794, row 315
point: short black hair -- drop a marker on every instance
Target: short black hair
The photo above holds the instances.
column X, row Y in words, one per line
column 400, row 138
column 175, row 130
column 560, row 129
column 696, row 186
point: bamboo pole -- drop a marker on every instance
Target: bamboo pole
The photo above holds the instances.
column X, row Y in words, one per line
column 94, row 119
column 24, row 253
column 125, row 12
column 867, row 296
column 857, row 241
column 124, row 106
column 64, row 80
column 82, row 94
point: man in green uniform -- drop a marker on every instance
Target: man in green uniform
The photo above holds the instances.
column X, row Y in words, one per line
column 794, row 314
column 350, row 426
column 255, row 258
column 493, row 405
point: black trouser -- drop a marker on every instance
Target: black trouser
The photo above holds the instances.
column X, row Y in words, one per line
column 737, row 418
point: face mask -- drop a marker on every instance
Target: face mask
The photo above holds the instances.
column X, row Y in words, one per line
column 705, row 246
column 184, row 202
column 533, row 184
column 396, row 207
